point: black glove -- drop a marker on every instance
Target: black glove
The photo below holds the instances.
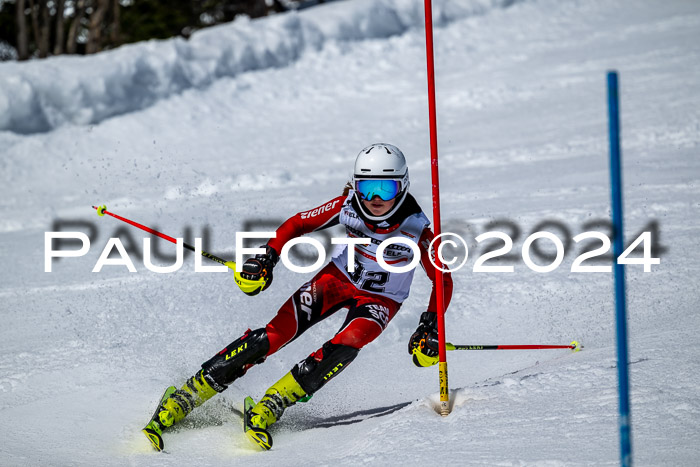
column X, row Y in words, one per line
column 260, row 267
column 425, row 340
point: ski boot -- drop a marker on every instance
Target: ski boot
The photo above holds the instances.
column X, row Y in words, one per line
column 258, row 417
column 214, row 377
column 175, row 404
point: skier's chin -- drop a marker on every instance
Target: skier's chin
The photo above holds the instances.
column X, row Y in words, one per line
column 379, row 207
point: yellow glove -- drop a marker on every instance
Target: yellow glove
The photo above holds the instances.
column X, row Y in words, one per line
column 423, row 344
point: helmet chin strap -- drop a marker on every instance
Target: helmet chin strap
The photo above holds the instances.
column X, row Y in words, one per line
column 399, row 201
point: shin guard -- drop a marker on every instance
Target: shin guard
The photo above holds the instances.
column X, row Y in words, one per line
column 319, row 367
column 232, row 362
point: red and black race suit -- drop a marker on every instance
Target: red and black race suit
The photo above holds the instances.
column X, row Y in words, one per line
column 371, row 294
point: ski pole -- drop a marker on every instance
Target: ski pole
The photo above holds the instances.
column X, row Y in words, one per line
column 575, row 346
column 245, row 284
column 102, row 210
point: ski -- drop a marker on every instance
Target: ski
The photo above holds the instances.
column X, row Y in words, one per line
column 256, row 435
column 153, row 430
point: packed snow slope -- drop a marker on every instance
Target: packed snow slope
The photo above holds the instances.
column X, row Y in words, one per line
column 248, row 123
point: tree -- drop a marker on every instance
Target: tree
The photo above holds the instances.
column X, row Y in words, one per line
column 75, row 26
column 94, row 41
column 54, row 27
column 40, row 26
column 59, row 41
column 22, row 40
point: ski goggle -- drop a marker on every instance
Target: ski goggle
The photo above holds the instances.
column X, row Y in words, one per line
column 385, row 189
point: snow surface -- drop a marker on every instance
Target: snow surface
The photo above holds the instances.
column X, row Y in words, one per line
column 260, row 119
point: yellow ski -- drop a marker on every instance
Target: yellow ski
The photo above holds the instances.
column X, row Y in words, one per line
column 258, row 436
column 153, row 430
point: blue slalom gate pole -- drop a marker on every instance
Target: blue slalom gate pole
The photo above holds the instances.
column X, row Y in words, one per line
column 618, row 248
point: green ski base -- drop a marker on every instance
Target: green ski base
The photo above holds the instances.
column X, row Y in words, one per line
column 153, row 430
column 258, row 436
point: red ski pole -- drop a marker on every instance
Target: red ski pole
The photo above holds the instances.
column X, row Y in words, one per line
column 102, row 210
column 246, row 285
column 575, row 346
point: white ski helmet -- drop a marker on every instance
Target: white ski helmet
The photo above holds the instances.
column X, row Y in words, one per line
column 381, row 161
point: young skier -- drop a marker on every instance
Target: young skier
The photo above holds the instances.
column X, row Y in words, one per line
column 377, row 207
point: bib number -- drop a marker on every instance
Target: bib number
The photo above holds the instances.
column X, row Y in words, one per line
column 371, row 281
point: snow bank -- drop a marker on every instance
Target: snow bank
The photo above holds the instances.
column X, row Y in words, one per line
column 39, row 96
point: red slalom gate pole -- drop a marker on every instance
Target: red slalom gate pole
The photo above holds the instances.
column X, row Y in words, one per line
column 444, row 387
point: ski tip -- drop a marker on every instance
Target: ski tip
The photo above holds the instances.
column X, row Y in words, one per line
column 575, row 346
column 155, row 439
column 259, row 437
